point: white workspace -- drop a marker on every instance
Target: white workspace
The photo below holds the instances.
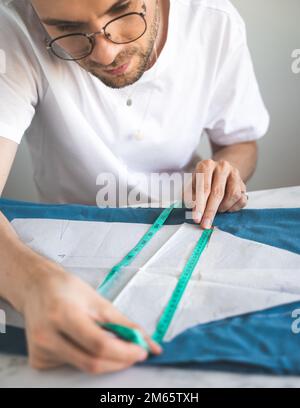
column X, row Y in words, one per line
column 105, row 109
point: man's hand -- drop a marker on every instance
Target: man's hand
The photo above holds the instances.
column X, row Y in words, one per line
column 61, row 312
column 219, row 188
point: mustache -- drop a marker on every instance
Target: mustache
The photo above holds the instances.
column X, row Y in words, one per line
column 118, row 60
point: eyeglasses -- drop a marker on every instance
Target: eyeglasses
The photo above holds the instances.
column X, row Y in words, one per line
column 124, row 29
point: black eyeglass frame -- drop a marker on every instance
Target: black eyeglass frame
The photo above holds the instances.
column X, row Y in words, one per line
column 91, row 36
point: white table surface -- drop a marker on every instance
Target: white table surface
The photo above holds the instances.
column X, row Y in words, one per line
column 15, row 371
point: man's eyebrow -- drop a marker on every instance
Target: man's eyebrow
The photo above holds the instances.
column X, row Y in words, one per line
column 58, row 22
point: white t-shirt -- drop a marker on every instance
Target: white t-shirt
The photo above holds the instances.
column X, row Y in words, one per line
column 78, row 128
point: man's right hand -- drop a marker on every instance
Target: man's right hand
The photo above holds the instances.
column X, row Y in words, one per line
column 61, row 311
column 61, row 314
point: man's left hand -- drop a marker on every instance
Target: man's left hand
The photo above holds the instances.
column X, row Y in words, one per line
column 221, row 190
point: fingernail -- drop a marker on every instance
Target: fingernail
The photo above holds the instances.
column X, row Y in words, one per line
column 198, row 216
column 159, row 347
column 206, row 223
column 143, row 356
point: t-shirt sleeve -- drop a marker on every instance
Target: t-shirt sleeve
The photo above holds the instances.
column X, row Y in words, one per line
column 21, row 80
column 236, row 111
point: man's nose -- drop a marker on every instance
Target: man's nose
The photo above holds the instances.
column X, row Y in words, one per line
column 105, row 51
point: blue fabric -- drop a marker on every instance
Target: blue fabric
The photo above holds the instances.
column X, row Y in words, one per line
column 261, row 341
column 258, row 342
column 277, row 227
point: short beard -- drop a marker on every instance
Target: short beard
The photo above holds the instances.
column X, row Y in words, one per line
column 144, row 58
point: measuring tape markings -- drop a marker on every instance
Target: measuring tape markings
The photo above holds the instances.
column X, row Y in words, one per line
column 114, row 273
column 169, row 312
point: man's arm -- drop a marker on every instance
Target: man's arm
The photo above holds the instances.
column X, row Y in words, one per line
column 61, row 311
column 8, row 149
column 242, row 156
column 222, row 183
column 8, row 238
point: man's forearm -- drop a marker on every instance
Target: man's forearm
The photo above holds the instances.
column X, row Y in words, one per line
column 243, row 156
column 15, row 265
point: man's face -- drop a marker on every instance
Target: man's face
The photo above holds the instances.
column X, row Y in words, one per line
column 116, row 65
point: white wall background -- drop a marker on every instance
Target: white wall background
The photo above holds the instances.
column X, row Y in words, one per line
column 273, row 33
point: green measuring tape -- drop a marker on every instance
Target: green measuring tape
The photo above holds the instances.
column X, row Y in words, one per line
column 134, row 335
column 114, row 273
column 168, row 314
column 126, row 333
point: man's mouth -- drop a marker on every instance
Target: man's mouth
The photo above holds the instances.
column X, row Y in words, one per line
column 119, row 70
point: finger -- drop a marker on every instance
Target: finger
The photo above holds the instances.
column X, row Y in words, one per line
column 240, row 204
column 202, row 187
column 47, row 351
column 107, row 366
column 74, row 356
column 118, row 318
column 85, row 333
column 233, row 192
column 42, row 360
column 105, row 312
column 217, row 194
column 243, row 186
column 38, row 350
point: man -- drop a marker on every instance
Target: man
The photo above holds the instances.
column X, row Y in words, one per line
column 117, row 87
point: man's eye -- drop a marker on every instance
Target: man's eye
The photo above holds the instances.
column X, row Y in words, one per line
column 66, row 28
column 118, row 10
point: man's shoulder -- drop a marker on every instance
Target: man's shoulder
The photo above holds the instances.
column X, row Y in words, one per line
column 223, row 8
column 16, row 35
column 215, row 21
column 16, row 11
column 8, row 13
column 18, row 23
